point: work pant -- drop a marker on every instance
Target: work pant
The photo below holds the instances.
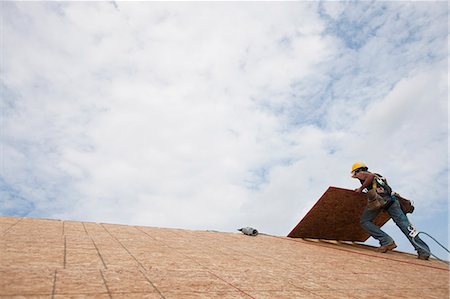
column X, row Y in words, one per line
column 402, row 222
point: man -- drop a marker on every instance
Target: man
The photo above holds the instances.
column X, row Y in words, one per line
column 380, row 197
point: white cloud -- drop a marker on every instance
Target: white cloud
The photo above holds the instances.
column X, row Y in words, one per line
column 218, row 115
column 409, row 130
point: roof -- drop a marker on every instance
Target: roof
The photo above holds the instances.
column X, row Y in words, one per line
column 58, row 259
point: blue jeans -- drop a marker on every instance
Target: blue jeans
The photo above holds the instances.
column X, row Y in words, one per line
column 402, row 222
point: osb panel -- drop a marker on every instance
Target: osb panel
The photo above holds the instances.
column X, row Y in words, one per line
column 139, row 262
column 30, row 255
column 128, row 295
column 127, row 280
column 79, row 296
column 26, row 281
column 336, row 216
column 258, row 279
column 201, row 281
column 83, row 258
column 80, row 281
column 205, row 295
column 72, row 228
column 287, row 295
column 6, row 223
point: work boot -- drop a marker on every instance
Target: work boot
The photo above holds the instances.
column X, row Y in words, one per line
column 423, row 257
column 386, row 248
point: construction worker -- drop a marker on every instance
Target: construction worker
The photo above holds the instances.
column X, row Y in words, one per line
column 380, row 198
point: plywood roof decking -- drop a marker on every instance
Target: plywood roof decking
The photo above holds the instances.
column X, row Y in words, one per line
column 336, row 216
column 62, row 259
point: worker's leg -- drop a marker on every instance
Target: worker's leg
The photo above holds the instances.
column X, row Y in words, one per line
column 403, row 223
column 366, row 222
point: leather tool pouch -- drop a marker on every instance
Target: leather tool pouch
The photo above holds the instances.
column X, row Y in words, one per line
column 375, row 201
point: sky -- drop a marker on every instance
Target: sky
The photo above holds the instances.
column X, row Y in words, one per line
column 221, row 115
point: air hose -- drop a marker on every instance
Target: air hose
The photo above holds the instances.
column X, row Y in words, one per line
column 413, row 233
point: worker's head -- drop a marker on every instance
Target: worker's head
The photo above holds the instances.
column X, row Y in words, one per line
column 357, row 167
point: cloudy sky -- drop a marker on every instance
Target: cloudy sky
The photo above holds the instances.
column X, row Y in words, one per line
column 216, row 116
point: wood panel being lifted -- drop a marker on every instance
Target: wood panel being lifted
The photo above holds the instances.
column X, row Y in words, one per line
column 336, row 216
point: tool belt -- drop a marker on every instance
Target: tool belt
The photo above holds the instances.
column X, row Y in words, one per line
column 376, row 201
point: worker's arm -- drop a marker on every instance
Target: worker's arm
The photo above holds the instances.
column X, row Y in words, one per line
column 367, row 178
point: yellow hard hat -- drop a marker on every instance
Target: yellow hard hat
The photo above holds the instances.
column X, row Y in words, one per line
column 357, row 165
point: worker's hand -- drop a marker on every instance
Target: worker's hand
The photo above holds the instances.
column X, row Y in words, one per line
column 358, row 190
